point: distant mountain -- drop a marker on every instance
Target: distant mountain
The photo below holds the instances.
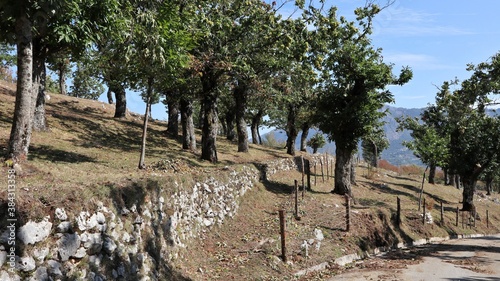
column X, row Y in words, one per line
column 396, row 154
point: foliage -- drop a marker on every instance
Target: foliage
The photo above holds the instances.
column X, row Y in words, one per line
column 51, row 85
column 84, row 84
column 427, row 144
column 271, row 141
column 373, row 145
column 317, row 141
column 7, row 57
column 353, row 82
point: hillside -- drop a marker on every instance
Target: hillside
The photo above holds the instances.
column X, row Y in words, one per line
column 88, row 160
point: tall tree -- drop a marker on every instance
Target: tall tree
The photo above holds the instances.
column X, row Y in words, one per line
column 20, row 135
column 227, row 45
column 373, row 144
column 160, row 50
column 84, row 84
column 354, row 78
column 474, row 135
column 35, row 26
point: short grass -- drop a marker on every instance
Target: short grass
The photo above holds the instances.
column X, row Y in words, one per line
column 88, row 157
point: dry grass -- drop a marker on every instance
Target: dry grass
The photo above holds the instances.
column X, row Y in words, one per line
column 88, row 156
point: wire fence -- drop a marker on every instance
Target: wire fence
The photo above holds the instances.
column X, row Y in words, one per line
column 345, row 219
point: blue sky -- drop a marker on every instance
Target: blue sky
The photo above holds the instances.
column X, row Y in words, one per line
column 437, row 39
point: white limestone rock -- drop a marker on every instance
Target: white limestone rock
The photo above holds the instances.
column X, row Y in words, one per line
column 68, row 245
column 60, row 214
column 40, row 274
column 54, row 268
column 40, row 254
column 5, row 276
column 33, row 232
column 26, row 264
column 109, row 246
column 93, row 243
column 63, row 227
column 80, row 253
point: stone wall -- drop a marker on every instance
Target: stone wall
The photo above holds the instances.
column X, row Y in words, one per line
column 134, row 243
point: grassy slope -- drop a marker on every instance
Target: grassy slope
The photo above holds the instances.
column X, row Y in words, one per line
column 88, row 156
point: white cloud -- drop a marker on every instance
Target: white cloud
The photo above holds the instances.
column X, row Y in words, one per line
column 408, row 22
column 415, row 61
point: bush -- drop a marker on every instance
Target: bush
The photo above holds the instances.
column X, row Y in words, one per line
column 271, row 141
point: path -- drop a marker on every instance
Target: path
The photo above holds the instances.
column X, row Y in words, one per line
column 476, row 259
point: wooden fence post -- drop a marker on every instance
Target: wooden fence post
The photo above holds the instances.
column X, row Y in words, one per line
column 442, row 213
column 463, row 218
column 326, row 162
column 296, row 199
column 469, row 222
column 303, row 174
column 456, row 223
column 398, row 212
column 423, row 216
column 487, row 219
column 347, row 213
column 322, row 174
column 474, row 216
column 283, row 234
column 308, row 174
column 315, row 174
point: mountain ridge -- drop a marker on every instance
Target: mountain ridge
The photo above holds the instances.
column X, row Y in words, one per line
column 397, row 154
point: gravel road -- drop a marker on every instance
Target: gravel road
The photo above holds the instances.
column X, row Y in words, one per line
column 475, row 259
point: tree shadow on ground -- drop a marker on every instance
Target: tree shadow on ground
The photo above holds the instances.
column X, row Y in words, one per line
column 57, row 155
column 278, row 188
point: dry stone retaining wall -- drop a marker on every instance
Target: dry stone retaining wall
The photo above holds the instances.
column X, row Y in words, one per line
column 135, row 243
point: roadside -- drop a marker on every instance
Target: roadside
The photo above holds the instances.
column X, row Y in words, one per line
column 462, row 259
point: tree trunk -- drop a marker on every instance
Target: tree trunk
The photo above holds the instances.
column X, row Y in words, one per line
column 489, row 185
column 173, row 118
column 240, row 100
column 375, row 155
column 469, row 183
column 188, row 136
column 422, row 189
column 254, row 127
column 121, row 101
column 446, row 179
column 201, row 115
column 291, row 129
column 457, row 181
column 20, row 135
column 209, row 131
column 151, row 112
column 230, row 118
column 303, row 137
column 353, row 171
column 39, row 79
column 432, row 173
column 343, row 171
column 110, row 96
column 142, row 164
column 62, row 79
